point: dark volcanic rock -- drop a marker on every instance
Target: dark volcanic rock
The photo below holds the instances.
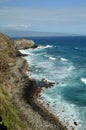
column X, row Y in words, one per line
column 2, row 126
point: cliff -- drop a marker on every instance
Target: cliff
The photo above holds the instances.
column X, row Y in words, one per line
column 17, row 107
column 8, row 111
column 12, row 79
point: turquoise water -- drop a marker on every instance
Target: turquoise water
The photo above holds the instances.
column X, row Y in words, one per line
column 63, row 60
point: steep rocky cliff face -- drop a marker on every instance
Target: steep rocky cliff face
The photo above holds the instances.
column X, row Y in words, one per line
column 9, row 50
column 9, row 77
column 17, row 110
column 13, row 79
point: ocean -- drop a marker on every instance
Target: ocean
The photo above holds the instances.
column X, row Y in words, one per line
column 63, row 60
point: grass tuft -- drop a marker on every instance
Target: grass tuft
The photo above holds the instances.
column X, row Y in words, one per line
column 9, row 113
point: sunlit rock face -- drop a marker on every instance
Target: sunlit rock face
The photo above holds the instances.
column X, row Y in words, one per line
column 24, row 44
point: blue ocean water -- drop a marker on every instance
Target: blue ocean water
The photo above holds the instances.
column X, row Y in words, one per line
column 63, row 60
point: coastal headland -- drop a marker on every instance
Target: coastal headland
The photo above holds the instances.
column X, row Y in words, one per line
column 19, row 108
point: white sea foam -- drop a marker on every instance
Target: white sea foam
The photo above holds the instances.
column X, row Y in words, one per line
column 83, row 80
column 37, row 70
column 63, row 59
column 22, row 51
column 71, row 67
column 66, row 113
column 43, row 47
column 49, row 80
column 58, row 72
column 62, row 84
column 28, row 52
column 80, row 49
column 52, row 58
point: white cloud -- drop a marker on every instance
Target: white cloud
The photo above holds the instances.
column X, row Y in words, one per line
column 22, row 17
column 18, row 26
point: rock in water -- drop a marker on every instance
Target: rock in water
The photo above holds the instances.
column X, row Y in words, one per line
column 24, row 44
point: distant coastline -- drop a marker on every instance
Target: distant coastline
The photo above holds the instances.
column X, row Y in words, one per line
column 16, row 33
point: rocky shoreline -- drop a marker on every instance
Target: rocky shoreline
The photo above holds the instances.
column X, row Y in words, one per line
column 23, row 94
column 30, row 93
column 42, row 118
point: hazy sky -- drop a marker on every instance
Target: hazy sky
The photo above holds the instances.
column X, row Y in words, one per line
column 63, row 16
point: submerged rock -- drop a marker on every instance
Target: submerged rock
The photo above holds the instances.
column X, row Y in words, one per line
column 75, row 123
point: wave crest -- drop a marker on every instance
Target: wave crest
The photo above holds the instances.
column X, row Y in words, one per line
column 44, row 47
column 52, row 58
column 63, row 59
column 79, row 49
column 71, row 68
column 83, row 80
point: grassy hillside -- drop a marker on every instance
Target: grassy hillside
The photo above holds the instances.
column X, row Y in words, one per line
column 8, row 112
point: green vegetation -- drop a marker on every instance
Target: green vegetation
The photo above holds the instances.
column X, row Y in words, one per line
column 8, row 112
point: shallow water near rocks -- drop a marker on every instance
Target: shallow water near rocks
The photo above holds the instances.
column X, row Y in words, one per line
column 63, row 60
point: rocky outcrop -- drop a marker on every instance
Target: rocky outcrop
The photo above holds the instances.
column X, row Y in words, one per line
column 24, row 44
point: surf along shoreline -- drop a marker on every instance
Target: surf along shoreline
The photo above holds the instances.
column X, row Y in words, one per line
column 23, row 93
column 32, row 93
column 41, row 118
column 42, row 109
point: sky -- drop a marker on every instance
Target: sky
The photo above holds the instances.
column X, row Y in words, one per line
column 61, row 16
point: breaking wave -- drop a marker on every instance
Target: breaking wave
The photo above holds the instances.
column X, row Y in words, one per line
column 44, row 47
column 83, row 80
column 63, row 59
column 79, row 49
column 71, row 68
column 52, row 58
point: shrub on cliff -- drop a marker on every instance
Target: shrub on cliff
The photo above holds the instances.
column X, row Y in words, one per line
column 7, row 46
column 3, row 61
column 5, row 42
